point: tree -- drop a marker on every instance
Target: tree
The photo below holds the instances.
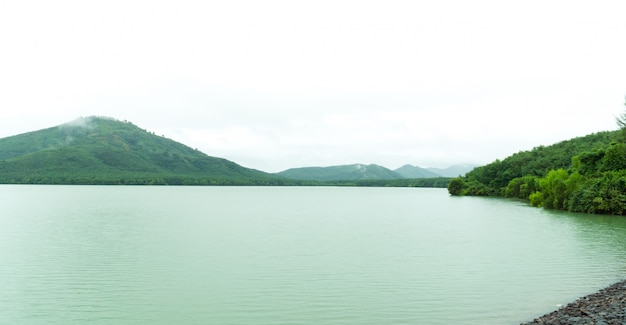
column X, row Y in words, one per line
column 615, row 157
column 521, row 187
column 455, row 187
column 554, row 189
column 621, row 122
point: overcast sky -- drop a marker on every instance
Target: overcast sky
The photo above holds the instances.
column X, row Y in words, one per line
column 279, row 84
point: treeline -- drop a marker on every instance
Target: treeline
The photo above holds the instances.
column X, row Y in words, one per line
column 141, row 179
column 165, row 179
column 586, row 174
column 437, row 182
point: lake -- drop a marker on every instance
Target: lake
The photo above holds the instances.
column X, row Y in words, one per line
column 292, row 255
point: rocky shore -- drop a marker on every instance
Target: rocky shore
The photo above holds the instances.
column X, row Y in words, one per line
column 605, row 307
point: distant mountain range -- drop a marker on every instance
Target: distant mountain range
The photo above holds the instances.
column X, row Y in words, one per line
column 102, row 150
column 410, row 171
column 371, row 172
column 454, row 170
column 344, row 172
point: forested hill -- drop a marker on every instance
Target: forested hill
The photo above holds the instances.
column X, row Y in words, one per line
column 98, row 150
column 372, row 172
column 585, row 174
column 343, row 173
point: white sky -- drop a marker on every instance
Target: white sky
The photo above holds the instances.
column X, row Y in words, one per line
column 279, row 84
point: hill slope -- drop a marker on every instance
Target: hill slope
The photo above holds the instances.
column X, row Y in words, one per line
column 585, row 174
column 341, row 173
column 453, row 171
column 97, row 150
column 494, row 177
column 410, row 171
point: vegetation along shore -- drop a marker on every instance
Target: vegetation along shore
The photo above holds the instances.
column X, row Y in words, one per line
column 585, row 174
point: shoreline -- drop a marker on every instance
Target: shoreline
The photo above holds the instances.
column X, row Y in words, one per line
column 604, row 307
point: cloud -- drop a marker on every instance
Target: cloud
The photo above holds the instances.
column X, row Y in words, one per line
column 279, row 84
column 81, row 122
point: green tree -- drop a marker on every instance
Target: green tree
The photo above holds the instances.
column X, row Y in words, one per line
column 554, row 189
column 605, row 194
column 615, row 157
column 521, row 187
column 621, row 122
column 455, row 187
column 536, row 199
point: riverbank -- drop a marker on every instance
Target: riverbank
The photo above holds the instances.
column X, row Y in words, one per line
column 606, row 307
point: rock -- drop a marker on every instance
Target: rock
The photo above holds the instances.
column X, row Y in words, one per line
column 605, row 307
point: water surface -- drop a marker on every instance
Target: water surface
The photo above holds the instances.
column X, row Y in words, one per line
column 292, row 255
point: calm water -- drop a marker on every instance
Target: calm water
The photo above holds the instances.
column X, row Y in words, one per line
column 292, row 255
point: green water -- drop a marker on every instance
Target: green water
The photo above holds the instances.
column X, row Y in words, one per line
column 292, row 255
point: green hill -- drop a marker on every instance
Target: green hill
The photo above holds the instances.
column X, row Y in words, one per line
column 453, row 171
column 585, row 174
column 341, row 173
column 410, row 171
column 99, row 150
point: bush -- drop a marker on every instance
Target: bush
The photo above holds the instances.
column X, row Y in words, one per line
column 455, row 187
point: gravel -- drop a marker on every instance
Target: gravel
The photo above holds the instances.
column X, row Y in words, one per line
column 605, row 307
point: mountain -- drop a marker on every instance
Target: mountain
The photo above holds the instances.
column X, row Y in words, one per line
column 409, row 171
column 453, row 171
column 341, row 173
column 101, row 150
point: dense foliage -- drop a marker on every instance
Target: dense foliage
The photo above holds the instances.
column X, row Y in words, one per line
column 586, row 174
